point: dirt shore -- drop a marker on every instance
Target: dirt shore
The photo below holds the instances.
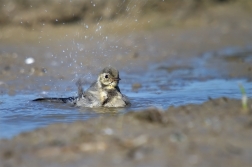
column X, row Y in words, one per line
column 215, row 133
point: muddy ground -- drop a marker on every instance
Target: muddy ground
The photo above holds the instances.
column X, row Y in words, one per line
column 215, row 133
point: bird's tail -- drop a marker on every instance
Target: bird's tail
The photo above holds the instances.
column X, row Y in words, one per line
column 57, row 100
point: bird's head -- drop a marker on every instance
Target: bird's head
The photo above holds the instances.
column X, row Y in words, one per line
column 109, row 78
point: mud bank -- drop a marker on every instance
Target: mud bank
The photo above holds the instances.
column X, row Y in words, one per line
column 215, row 133
column 37, row 13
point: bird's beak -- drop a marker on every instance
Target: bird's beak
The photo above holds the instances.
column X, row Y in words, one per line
column 116, row 79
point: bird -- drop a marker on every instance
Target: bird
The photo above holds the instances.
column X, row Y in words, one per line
column 104, row 92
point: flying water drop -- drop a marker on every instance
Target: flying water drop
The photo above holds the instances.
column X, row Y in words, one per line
column 29, row 60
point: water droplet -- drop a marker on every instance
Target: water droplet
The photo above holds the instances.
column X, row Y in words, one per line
column 108, row 131
column 29, row 60
column 86, row 26
column 44, row 92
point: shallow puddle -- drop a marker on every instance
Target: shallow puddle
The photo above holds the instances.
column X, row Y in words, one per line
column 19, row 114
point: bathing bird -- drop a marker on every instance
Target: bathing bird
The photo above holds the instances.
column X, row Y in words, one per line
column 104, row 92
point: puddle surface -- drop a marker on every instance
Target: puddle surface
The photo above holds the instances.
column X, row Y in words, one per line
column 19, row 114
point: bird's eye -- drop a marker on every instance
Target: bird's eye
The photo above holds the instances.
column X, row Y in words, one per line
column 106, row 76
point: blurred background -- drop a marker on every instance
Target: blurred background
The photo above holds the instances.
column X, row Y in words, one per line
column 35, row 13
column 79, row 34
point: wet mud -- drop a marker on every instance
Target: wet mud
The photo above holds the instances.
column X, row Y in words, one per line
column 45, row 54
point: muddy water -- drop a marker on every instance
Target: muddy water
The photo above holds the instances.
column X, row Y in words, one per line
column 20, row 114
